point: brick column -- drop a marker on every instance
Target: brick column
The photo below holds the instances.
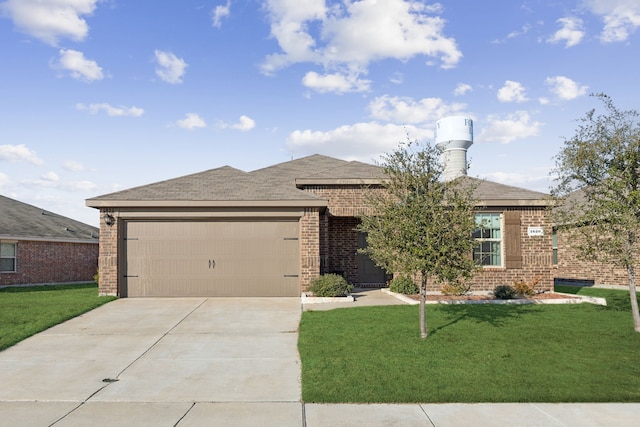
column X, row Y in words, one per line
column 108, row 255
column 309, row 246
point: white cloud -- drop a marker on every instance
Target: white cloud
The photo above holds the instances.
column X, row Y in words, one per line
column 462, row 88
column 407, row 110
column 192, row 121
column 50, row 20
column 504, row 130
column 79, row 186
column 621, row 18
column 537, row 180
column 571, row 33
column 512, row 92
column 50, row 177
column 336, row 82
column 565, row 88
column 244, row 124
column 368, row 140
column 219, row 13
column 52, row 181
column 524, row 30
column 350, row 35
column 79, row 67
column 73, row 166
column 110, row 110
column 5, row 182
column 19, row 153
column 170, row 68
column 397, row 78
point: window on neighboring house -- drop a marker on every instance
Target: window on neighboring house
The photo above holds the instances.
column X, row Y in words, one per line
column 554, row 245
column 7, row 257
column 488, row 237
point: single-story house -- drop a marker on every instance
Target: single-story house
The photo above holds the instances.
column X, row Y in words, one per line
column 226, row 232
column 38, row 246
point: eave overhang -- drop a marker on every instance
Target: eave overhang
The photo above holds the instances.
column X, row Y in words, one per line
column 306, row 203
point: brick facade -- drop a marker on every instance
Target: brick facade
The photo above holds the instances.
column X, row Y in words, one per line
column 346, row 203
column 40, row 262
column 329, row 242
column 571, row 267
column 536, row 253
column 309, row 247
column 339, row 236
column 108, row 255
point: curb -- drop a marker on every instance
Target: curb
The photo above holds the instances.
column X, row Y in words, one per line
column 319, row 300
column 571, row 299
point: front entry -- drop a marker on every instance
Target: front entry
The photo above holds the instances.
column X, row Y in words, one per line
column 369, row 274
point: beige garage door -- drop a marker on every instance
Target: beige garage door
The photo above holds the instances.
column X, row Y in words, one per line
column 221, row 258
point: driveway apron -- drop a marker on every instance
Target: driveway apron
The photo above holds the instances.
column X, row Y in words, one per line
column 161, row 351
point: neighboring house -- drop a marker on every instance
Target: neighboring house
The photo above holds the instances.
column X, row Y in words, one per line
column 570, row 267
column 38, row 246
column 225, row 232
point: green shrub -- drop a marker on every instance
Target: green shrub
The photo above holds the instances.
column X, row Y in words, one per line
column 330, row 285
column 403, row 285
column 504, row 292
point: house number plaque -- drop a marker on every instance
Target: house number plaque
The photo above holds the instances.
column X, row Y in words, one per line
column 535, row 231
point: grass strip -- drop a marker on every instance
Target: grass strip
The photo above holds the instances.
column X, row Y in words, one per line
column 25, row 311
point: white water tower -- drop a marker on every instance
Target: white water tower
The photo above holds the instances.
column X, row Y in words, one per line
column 454, row 135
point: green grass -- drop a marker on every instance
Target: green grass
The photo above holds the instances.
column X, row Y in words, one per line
column 474, row 353
column 25, row 311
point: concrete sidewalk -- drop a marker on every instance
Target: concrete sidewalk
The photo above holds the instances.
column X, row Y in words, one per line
column 189, row 414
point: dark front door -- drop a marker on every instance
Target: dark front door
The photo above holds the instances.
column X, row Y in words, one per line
column 369, row 274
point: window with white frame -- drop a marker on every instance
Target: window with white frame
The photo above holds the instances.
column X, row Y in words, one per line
column 7, row 257
column 488, row 237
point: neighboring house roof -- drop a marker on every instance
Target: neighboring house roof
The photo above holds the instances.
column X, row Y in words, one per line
column 21, row 221
column 281, row 185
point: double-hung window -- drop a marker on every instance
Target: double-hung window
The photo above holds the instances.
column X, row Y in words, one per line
column 488, row 237
column 7, row 257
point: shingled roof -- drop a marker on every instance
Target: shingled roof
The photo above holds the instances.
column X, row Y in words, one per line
column 21, row 221
column 489, row 193
column 221, row 184
column 283, row 183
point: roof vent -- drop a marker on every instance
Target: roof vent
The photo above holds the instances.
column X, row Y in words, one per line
column 454, row 135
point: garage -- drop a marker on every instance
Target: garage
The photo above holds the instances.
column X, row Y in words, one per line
column 216, row 258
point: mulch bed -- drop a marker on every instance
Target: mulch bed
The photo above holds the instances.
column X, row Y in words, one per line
column 439, row 297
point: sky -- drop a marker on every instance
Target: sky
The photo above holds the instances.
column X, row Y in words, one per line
column 98, row 96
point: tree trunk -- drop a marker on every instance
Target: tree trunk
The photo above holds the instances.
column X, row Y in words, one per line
column 631, row 241
column 634, row 300
column 423, row 307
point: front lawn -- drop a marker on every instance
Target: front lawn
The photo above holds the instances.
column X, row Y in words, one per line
column 28, row 310
column 474, row 353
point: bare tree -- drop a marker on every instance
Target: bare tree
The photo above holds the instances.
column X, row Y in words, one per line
column 601, row 165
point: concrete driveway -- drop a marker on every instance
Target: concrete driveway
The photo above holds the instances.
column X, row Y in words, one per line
column 159, row 362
